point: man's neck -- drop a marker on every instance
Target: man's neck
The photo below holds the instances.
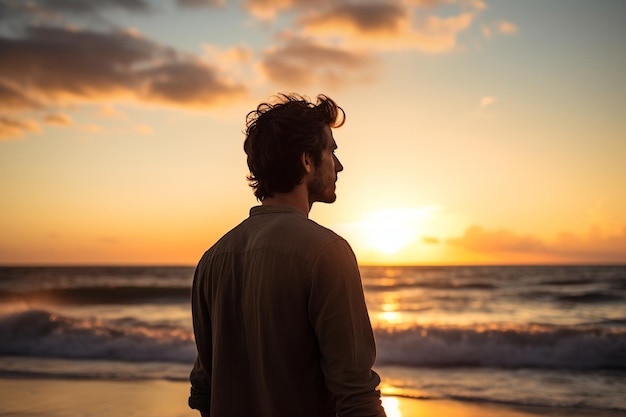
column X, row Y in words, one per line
column 298, row 198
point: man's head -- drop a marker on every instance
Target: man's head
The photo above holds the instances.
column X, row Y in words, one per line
column 279, row 134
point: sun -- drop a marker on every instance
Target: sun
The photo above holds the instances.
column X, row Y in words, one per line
column 390, row 230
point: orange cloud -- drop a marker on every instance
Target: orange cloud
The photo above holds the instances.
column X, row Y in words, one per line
column 595, row 246
column 437, row 34
column 191, row 83
column 11, row 128
column 107, row 111
column 47, row 63
column 300, row 62
column 380, row 25
column 58, row 119
column 364, row 19
column 504, row 27
column 476, row 4
column 50, row 9
column 236, row 54
column 50, row 66
column 479, row 240
column 507, row 28
column 487, row 31
column 386, row 26
column 236, row 61
column 12, row 98
column 487, row 100
column 91, row 128
column 44, row 12
column 268, row 9
column 200, row 3
column 144, row 130
column 60, row 65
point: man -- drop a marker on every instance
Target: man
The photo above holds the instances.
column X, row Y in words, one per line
column 279, row 315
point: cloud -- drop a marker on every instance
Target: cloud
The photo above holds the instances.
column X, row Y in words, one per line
column 478, row 239
column 47, row 63
column 107, row 111
column 12, row 98
column 228, row 57
column 54, row 8
column 191, row 83
column 269, row 9
column 487, row 31
column 475, row 4
column 595, row 242
column 595, row 246
column 11, row 128
column 59, row 65
column 44, row 12
column 487, row 101
column 301, row 62
column 386, row 26
column 375, row 24
column 200, row 3
column 507, row 28
column 82, row 6
column 485, row 108
column 361, row 19
column 58, row 119
column 91, row 128
column 144, row 130
column 436, row 34
column 503, row 27
column 236, row 61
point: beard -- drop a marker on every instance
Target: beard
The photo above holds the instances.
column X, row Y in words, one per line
column 322, row 189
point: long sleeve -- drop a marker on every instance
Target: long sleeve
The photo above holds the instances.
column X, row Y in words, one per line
column 341, row 323
column 200, row 377
column 281, row 324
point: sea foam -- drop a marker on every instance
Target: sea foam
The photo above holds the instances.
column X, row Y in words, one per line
column 41, row 333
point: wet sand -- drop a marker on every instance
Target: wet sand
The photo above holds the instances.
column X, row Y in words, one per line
column 98, row 398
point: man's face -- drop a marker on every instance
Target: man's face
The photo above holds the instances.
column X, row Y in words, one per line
column 321, row 186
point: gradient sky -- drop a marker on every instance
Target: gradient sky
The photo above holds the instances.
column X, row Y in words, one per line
column 478, row 132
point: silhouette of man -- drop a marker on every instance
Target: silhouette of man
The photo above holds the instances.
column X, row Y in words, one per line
column 278, row 309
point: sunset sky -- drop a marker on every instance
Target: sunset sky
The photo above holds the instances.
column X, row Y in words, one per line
column 477, row 132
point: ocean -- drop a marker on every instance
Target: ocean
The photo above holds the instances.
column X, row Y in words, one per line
column 546, row 336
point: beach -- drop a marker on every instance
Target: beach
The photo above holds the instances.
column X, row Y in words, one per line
column 451, row 341
column 66, row 398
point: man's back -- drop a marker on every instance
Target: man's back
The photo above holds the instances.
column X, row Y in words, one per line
column 281, row 323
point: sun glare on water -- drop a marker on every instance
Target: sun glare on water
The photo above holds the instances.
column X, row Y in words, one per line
column 391, row 406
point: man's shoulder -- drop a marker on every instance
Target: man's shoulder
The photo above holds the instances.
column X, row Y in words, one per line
column 277, row 229
column 289, row 220
column 321, row 232
column 300, row 227
column 281, row 226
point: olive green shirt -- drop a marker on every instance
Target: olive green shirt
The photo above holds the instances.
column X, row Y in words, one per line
column 281, row 324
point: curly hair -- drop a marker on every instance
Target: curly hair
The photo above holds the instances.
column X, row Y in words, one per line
column 277, row 134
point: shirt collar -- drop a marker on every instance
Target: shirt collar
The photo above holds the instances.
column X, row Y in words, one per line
column 258, row 210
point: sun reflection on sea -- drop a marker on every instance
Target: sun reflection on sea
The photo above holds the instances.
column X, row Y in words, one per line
column 391, row 406
column 390, row 310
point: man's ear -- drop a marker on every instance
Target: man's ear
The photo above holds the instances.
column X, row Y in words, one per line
column 307, row 162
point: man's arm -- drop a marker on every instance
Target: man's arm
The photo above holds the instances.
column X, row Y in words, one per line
column 200, row 393
column 200, row 377
column 339, row 317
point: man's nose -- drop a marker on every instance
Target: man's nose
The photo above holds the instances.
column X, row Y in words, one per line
column 338, row 166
